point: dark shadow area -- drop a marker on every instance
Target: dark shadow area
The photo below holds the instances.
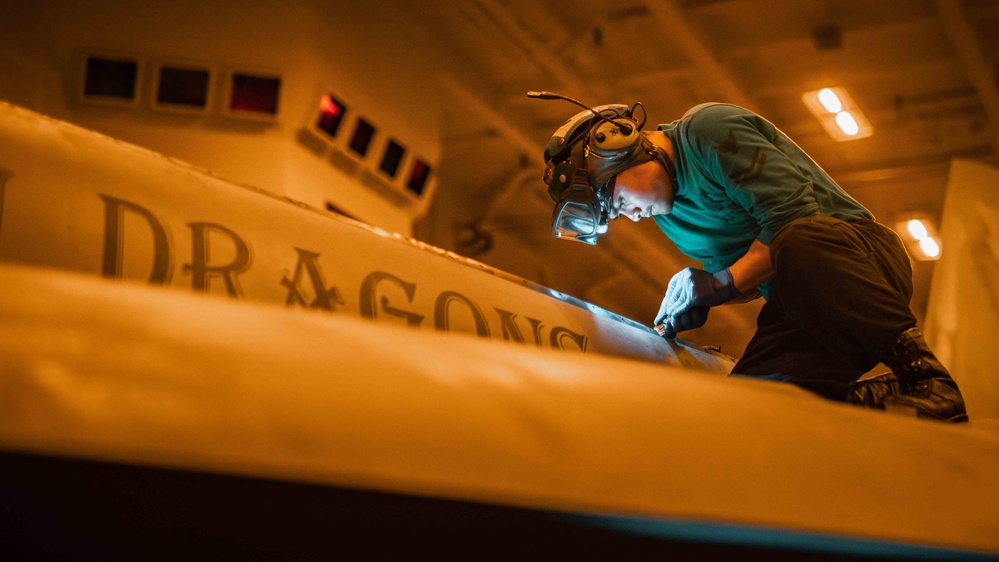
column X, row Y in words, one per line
column 55, row 508
column 311, row 142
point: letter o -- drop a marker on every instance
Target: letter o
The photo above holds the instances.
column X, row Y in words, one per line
column 442, row 319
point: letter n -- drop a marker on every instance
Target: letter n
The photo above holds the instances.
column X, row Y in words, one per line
column 508, row 322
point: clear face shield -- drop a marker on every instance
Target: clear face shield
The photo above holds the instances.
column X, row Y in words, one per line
column 580, row 213
column 575, row 220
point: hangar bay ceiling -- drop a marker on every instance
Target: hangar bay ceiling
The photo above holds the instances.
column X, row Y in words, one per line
column 923, row 72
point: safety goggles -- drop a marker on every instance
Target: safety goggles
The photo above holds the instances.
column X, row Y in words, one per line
column 580, row 213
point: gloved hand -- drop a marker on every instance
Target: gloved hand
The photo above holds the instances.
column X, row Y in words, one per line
column 689, row 295
column 693, row 318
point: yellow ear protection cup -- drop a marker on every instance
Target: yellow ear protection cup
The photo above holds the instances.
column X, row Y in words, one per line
column 611, row 139
column 613, row 147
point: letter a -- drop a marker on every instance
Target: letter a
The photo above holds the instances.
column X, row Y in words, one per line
column 325, row 298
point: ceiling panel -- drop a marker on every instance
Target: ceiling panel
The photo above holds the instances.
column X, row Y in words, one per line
column 900, row 60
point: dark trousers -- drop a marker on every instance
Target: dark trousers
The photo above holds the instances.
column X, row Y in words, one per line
column 841, row 296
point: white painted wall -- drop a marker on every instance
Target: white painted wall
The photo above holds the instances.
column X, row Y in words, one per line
column 962, row 321
column 369, row 54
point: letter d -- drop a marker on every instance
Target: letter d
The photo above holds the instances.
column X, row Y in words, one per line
column 114, row 240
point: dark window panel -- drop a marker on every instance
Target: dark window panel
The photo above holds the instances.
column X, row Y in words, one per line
column 111, row 78
column 256, row 94
column 418, row 177
column 363, row 134
column 183, row 86
column 392, row 158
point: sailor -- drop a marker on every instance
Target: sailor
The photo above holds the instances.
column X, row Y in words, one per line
column 736, row 194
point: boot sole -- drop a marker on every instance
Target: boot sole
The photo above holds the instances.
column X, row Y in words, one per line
column 912, row 412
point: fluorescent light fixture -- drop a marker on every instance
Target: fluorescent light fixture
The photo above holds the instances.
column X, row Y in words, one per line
column 919, row 236
column 830, row 100
column 930, row 247
column 838, row 113
column 917, row 229
column 847, row 123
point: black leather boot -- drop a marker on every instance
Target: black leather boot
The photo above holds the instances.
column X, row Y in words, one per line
column 872, row 392
column 926, row 387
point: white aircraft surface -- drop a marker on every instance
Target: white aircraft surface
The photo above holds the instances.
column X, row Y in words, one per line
column 74, row 199
column 143, row 418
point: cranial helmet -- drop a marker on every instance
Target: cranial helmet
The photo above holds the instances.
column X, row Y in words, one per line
column 582, row 158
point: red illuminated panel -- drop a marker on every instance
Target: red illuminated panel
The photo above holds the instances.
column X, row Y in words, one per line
column 418, row 177
column 255, row 94
column 331, row 113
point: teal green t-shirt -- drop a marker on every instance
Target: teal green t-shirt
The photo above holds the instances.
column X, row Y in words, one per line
column 741, row 179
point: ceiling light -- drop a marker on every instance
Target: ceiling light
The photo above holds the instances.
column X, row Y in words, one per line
column 917, row 229
column 847, row 123
column 929, row 247
column 838, row 113
column 919, row 236
column 830, row 100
